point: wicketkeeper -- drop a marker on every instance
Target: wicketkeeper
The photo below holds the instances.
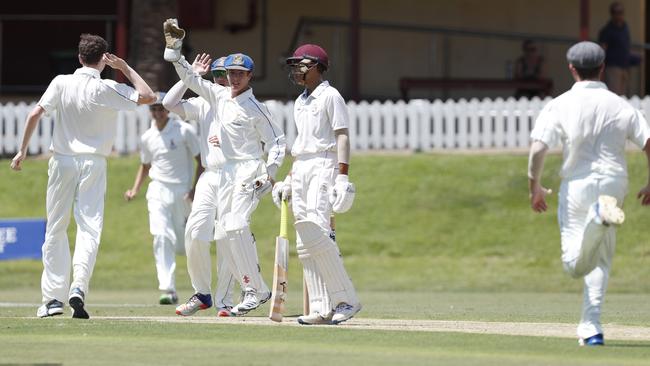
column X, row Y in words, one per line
column 245, row 124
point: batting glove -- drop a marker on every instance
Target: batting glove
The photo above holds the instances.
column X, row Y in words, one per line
column 173, row 40
column 342, row 194
column 282, row 191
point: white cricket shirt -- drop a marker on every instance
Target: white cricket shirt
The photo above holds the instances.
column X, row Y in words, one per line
column 197, row 109
column 317, row 116
column 170, row 152
column 593, row 125
column 85, row 109
column 243, row 122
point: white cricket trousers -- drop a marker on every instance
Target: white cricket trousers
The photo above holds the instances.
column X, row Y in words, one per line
column 168, row 211
column 237, row 201
column 587, row 246
column 81, row 180
column 312, row 176
column 199, row 232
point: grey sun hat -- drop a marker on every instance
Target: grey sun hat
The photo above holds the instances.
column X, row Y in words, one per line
column 585, row 55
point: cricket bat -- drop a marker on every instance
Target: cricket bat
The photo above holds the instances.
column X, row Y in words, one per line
column 279, row 289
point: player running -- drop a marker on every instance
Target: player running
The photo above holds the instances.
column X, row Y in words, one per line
column 166, row 153
column 200, row 228
column 593, row 125
column 244, row 125
column 318, row 184
column 85, row 112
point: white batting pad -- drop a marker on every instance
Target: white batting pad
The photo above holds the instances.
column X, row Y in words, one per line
column 317, row 247
column 244, row 255
column 319, row 300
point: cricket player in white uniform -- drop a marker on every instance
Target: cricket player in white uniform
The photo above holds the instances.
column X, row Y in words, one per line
column 167, row 149
column 593, row 125
column 200, row 228
column 318, row 184
column 244, row 125
column 85, row 113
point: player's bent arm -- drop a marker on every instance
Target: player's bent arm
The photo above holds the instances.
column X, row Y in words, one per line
column 143, row 172
column 145, row 94
column 343, row 149
column 644, row 193
column 273, row 137
column 172, row 101
column 538, row 193
column 30, row 125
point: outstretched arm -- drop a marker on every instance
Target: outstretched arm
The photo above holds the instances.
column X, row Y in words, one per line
column 535, row 167
column 146, row 95
column 32, row 121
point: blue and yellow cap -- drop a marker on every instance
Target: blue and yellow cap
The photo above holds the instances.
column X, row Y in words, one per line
column 239, row 61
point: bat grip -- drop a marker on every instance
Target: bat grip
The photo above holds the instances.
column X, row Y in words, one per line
column 284, row 211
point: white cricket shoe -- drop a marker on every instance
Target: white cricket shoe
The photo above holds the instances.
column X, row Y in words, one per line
column 315, row 318
column 52, row 308
column 344, row 311
column 608, row 212
column 251, row 302
column 195, row 303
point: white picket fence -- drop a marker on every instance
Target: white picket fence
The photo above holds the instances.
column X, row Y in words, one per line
column 419, row 125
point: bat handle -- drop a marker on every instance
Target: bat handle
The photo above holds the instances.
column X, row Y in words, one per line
column 284, row 212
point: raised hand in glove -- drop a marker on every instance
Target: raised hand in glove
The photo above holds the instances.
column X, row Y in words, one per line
column 174, row 36
column 342, row 194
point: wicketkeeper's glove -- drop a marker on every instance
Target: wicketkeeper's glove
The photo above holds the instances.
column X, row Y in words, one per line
column 342, row 194
column 260, row 186
column 174, row 36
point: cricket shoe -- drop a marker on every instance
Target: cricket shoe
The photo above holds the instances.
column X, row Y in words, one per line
column 52, row 308
column 315, row 318
column 225, row 312
column 608, row 212
column 168, row 298
column 76, row 302
column 195, row 303
column 595, row 340
column 251, row 302
column 345, row 311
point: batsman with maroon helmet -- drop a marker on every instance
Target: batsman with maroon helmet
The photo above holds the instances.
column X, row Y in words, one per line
column 317, row 185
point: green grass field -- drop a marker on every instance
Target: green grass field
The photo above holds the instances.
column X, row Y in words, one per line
column 430, row 237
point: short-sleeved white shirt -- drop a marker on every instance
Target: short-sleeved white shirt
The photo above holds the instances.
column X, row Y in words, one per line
column 85, row 111
column 317, row 116
column 170, row 152
column 199, row 110
column 593, row 125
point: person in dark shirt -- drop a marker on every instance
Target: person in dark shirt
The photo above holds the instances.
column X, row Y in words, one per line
column 614, row 37
column 529, row 66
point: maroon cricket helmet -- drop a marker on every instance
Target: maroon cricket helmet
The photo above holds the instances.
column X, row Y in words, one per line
column 310, row 52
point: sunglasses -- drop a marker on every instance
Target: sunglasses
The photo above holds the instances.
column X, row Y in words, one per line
column 219, row 73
